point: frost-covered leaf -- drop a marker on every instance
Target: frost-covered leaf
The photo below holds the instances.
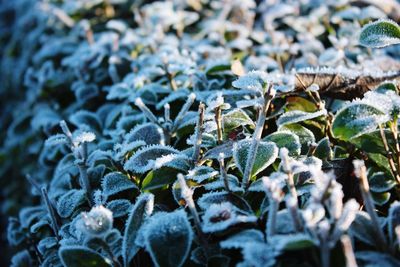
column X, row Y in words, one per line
column 296, row 116
column 380, row 33
column 21, row 259
column 286, row 139
column 76, row 256
column 234, row 119
column 254, row 80
column 168, row 238
column 119, row 207
column 69, row 202
column 362, row 228
column 150, row 133
column 380, row 182
column 393, row 219
column 56, row 139
column 202, row 173
column 159, row 178
column 380, row 199
column 86, row 118
column 306, row 136
column 219, row 217
column 116, row 182
column 233, row 182
column 356, row 119
column 144, row 159
column 292, row 242
column 323, row 149
column 225, row 148
column 374, row 258
column 137, row 216
column 242, row 238
column 220, row 197
column 258, row 255
column 265, row 155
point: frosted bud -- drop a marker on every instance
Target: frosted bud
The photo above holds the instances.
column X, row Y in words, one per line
column 97, row 222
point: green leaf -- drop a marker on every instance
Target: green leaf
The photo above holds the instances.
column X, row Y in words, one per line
column 77, row 256
column 286, row 139
column 380, row 199
column 296, row 116
column 292, row 242
column 265, row 155
column 69, row 202
column 234, row 119
column 379, row 182
column 140, row 212
column 355, row 120
column 116, row 182
column 159, row 178
column 323, row 150
column 306, row 136
column 168, row 238
column 380, row 33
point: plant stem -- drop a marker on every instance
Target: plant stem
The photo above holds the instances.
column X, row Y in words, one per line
column 218, row 121
column 348, row 251
column 198, row 135
column 389, row 155
column 292, row 206
column 325, row 254
column 185, row 108
column 223, row 171
column 146, row 111
column 51, row 212
column 361, row 173
column 251, row 155
column 395, row 133
column 187, row 195
column 271, row 222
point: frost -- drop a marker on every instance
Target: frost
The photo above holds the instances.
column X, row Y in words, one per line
column 116, row 182
column 202, row 173
column 70, row 201
column 296, row 116
column 97, row 222
column 150, row 133
column 380, row 33
column 266, row 155
column 219, row 217
column 144, row 159
column 241, row 239
column 140, row 212
column 286, row 139
column 168, row 238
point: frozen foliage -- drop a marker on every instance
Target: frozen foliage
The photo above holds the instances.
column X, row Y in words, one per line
column 380, row 33
column 168, row 238
column 97, row 222
column 265, row 155
column 199, row 133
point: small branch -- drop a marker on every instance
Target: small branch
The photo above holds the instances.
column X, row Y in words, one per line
column 146, row 111
column 389, row 155
column 198, row 134
column 361, row 173
column 348, row 251
column 185, row 108
column 187, row 195
column 51, row 212
column 286, row 168
column 292, row 206
column 224, row 175
column 251, row 156
column 218, row 121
